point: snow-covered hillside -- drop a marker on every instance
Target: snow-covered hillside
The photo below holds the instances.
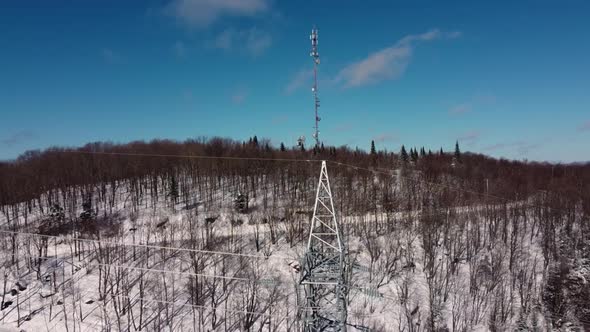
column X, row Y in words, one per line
column 127, row 259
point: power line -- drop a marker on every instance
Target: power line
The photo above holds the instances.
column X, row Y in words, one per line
column 506, row 200
column 183, row 156
column 152, row 270
column 186, row 304
column 155, row 270
column 211, row 252
column 128, row 267
column 371, row 292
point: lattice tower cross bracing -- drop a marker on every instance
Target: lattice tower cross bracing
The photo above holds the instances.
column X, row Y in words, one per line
column 324, row 266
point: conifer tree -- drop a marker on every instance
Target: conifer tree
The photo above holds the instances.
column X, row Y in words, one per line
column 373, row 151
column 457, row 152
column 404, row 154
column 315, row 150
column 282, row 147
column 414, row 155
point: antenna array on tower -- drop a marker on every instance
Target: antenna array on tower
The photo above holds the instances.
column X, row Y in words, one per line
column 316, row 61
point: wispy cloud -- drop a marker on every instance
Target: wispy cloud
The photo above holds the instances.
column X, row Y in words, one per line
column 277, row 120
column 526, row 148
column 239, row 96
column 584, row 126
column 385, row 137
column 179, row 49
column 461, row 109
column 257, row 41
column 470, row 137
column 251, row 41
column 18, row 138
column 111, row 56
column 187, row 95
column 388, row 63
column 202, row 13
column 300, row 79
column 520, row 147
column 343, row 127
column 501, row 146
column 477, row 101
column 224, row 40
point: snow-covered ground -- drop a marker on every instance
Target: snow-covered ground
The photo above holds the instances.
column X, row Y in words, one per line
column 167, row 267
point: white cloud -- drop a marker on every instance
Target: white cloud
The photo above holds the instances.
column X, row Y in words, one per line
column 454, row 34
column 302, row 78
column 388, row 63
column 201, row 13
column 251, row 41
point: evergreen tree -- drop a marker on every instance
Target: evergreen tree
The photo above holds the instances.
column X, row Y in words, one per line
column 373, row 151
column 283, row 147
column 255, row 140
column 414, row 155
column 441, row 152
column 322, row 148
column 457, row 152
column 404, row 154
column 422, row 152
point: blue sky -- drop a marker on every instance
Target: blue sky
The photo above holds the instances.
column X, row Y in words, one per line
column 509, row 79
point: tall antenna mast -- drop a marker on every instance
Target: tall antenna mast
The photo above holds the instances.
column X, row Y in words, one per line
column 316, row 61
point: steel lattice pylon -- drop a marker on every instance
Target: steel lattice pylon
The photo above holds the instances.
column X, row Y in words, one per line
column 324, row 266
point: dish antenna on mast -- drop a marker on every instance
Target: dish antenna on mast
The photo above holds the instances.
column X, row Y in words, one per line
column 301, row 141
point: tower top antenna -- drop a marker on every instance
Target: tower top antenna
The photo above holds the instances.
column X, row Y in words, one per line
column 316, row 61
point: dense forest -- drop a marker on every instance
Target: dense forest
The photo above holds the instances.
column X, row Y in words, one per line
column 495, row 243
column 35, row 172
